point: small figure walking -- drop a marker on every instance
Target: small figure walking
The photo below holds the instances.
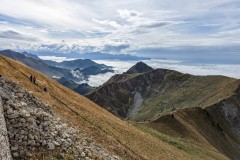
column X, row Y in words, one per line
column 34, row 80
column 45, row 89
column 31, row 78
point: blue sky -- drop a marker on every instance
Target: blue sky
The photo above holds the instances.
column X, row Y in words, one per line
column 151, row 28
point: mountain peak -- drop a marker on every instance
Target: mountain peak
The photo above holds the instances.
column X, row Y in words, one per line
column 139, row 67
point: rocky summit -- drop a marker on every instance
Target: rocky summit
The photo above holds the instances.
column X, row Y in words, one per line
column 139, row 67
column 29, row 127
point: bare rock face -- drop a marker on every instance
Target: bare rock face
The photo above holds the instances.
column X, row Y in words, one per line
column 32, row 126
column 231, row 112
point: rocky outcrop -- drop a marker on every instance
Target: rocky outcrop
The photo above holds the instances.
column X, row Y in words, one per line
column 137, row 103
column 228, row 110
column 5, row 152
column 32, row 127
column 140, row 67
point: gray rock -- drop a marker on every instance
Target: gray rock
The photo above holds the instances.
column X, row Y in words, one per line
column 22, row 120
column 56, row 143
column 9, row 111
column 83, row 154
column 20, row 95
column 13, row 116
column 15, row 154
column 31, row 137
column 44, row 142
column 51, row 146
column 29, row 154
column 14, row 148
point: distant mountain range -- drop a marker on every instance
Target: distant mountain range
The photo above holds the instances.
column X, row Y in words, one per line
column 93, row 56
column 31, row 55
column 78, row 63
column 94, row 70
column 67, row 71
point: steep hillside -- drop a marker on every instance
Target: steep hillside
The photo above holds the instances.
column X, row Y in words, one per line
column 216, row 126
column 144, row 96
column 114, row 134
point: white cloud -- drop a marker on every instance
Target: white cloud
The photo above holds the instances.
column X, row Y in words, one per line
column 57, row 14
column 155, row 23
column 126, row 14
column 113, row 24
column 97, row 80
column 200, row 69
column 79, row 47
column 56, row 59
column 10, row 34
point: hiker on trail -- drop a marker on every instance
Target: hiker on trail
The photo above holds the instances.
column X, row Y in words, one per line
column 45, row 89
column 31, row 78
column 34, row 79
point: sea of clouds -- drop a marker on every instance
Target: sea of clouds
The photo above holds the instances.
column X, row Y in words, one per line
column 230, row 70
column 194, row 69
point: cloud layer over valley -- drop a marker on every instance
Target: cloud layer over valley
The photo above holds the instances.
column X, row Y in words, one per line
column 200, row 69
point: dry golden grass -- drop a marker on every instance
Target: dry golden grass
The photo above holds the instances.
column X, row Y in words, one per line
column 116, row 135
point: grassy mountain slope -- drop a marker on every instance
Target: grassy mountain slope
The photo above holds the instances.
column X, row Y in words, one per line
column 145, row 96
column 116, row 135
column 192, row 129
